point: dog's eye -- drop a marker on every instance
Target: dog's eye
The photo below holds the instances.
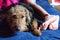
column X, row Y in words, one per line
column 14, row 16
column 22, row 16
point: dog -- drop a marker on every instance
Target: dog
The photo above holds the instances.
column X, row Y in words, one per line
column 21, row 17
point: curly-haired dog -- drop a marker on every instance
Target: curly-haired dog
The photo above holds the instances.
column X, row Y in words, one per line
column 23, row 18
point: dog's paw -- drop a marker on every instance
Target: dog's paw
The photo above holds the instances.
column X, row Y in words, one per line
column 37, row 32
column 34, row 23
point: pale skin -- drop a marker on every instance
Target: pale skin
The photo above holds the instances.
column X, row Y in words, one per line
column 51, row 21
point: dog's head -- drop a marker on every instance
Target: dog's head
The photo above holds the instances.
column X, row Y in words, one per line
column 21, row 15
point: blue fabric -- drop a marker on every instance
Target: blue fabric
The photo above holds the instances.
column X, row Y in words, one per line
column 46, row 34
column 48, row 7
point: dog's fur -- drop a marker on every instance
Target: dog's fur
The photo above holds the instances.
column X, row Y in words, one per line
column 7, row 25
column 22, row 19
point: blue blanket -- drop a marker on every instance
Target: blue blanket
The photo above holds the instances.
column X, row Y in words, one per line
column 46, row 34
column 46, row 5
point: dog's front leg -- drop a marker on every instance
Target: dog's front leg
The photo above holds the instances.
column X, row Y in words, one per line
column 34, row 28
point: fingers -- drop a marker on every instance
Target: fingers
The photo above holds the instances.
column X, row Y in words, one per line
column 43, row 26
column 53, row 26
column 52, row 23
column 50, row 26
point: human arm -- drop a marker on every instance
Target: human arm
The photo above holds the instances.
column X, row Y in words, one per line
column 51, row 20
column 33, row 4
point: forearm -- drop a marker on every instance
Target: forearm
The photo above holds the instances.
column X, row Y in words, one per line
column 33, row 4
column 40, row 8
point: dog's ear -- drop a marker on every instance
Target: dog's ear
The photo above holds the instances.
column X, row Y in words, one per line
column 28, row 16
